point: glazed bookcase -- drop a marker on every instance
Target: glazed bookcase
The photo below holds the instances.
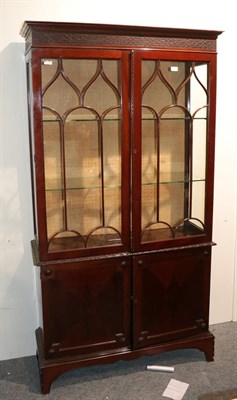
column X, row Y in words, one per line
column 122, row 136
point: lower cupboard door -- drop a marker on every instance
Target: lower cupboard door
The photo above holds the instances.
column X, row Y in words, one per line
column 171, row 295
column 86, row 307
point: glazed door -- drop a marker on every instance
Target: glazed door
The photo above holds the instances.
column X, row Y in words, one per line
column 81, row 117
column 171, row 295
column 86, row 307
column 173, row 139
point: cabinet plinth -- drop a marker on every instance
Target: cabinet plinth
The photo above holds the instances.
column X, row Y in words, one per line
column 122, row 133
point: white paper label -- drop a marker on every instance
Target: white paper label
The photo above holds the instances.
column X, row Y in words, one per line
column 175, row 389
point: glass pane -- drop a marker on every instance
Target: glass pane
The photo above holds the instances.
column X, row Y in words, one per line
column 82, row 146
column 199, row 108
column 174, row 134
column 81, row 137
column 112, row 148
column 52, row 163
column 198, row 91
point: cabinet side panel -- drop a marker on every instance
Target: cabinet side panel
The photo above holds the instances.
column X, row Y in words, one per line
column 38, row 296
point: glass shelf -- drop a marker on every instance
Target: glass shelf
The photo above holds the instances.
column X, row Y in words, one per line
column 113, row 182
column 45, row 120
column 166, row 179
column 174, row 118
column 82, row 183
column 82, row 120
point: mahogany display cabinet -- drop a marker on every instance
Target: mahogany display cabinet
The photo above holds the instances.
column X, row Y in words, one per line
column 122, row 128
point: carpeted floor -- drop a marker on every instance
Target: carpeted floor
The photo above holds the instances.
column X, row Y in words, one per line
column 223, row 395
column 129, row 380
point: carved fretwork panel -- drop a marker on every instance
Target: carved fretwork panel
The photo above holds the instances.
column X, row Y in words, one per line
column 42, row 35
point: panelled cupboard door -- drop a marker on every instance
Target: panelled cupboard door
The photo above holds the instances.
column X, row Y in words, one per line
column 86, row 306
column 171, row 295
